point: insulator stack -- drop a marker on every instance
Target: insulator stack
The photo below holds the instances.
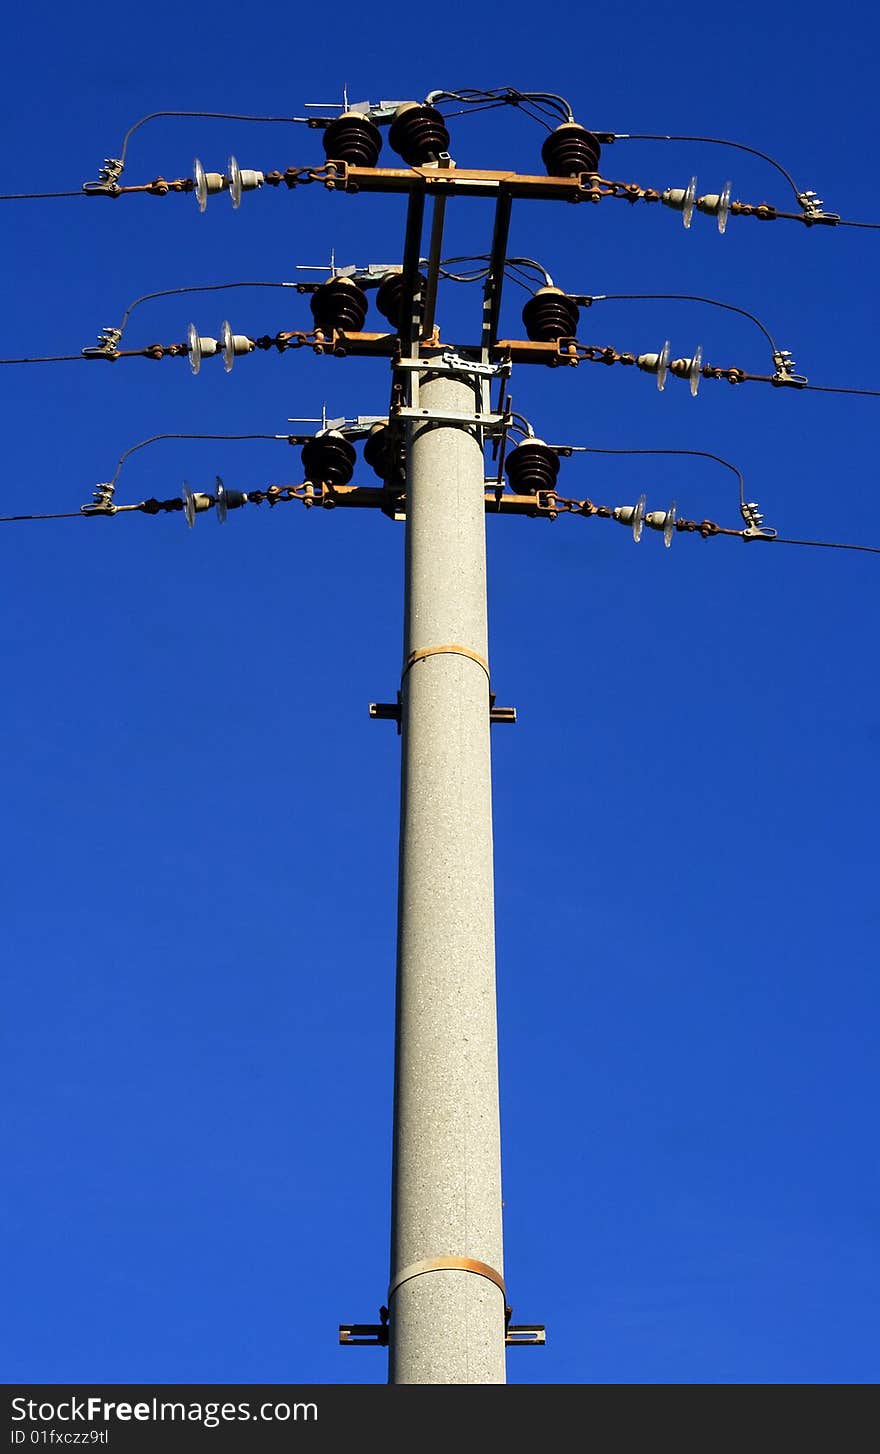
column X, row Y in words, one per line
column 550, row 315
column 352, row 138
column 418, row 133
column 329, row 459
column 390, row 298
column 570, row 150
column 531, row 466
column 378, row 451
column 339, row 303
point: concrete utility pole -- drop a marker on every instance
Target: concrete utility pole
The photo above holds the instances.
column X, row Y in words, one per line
column 447, row 1301
column 447, row 1318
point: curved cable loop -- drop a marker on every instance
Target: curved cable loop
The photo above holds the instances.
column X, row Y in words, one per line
column 684, row 298
column 521, row 423
column 696, row 453
column 710, row 141
column 154, row 438
column 511, row 263
column 547, row 101
column 205, row 115
column 194, row 288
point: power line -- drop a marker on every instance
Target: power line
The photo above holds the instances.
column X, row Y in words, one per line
column 696, row 453
column 686, row 298
column 154, row 438
column 831, row 389
column 65, row 515
column 196, row 288
column 822, row 544
column 536, row 104
column 35, row 196
column 47, row 358
column 710, row 141
column 205, row 115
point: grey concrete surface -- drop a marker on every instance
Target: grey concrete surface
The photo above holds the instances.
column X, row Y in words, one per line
column 446, row 1326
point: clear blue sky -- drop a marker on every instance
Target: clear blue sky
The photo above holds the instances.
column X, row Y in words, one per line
column 198, row 886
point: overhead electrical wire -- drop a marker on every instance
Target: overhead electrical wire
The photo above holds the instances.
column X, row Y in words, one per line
column 768, row 539
column 196, row 288
column 513, row 266
column 203, row 115
column 536, row 104
column 64, row 515
column 685, row 298
column 154, row 438
column 36, row 196
column 695, row 453
column 832, row 389
column 710, row 141
column 47, row 358
column 823, row 544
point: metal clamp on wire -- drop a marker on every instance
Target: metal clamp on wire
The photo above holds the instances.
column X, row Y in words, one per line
column 107, row 346
column 785, row 366
column 102, row 504
column 107, row 184
column 813, row 209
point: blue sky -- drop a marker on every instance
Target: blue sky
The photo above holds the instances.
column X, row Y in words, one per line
column 199, row 867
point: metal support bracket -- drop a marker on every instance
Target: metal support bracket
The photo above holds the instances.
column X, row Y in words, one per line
column 453, row 363
column 523, row 1335
column 391, row 712
column 375, row 1335
column 492, row 422
column 366, row 1335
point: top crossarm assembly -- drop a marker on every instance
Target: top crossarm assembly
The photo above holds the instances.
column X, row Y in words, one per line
column 406, row 296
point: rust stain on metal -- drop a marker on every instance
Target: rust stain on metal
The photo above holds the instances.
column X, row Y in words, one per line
column 446, row 1264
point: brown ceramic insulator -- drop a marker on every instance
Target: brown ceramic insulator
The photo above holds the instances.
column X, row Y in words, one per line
column 570, row 150
column 339, row 303
column 329, row 459
column 353, row 138
column 550, row 315
column 418, row 133
column 531, row 466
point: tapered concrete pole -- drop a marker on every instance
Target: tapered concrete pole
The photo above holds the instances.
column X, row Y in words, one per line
column 447, row 1321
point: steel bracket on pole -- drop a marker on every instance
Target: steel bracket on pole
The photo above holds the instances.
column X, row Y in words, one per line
column 375, row 1335
column 525, row 1334
column 494, row 423
column 391, row 712
column 454, row 364
column 366, row 1335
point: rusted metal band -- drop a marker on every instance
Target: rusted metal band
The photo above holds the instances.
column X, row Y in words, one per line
column 451, row 650
column 446, row 1264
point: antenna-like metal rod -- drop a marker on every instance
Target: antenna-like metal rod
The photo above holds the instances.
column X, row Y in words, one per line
column 435, row 251
column 412, row 252
column 495, row 276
